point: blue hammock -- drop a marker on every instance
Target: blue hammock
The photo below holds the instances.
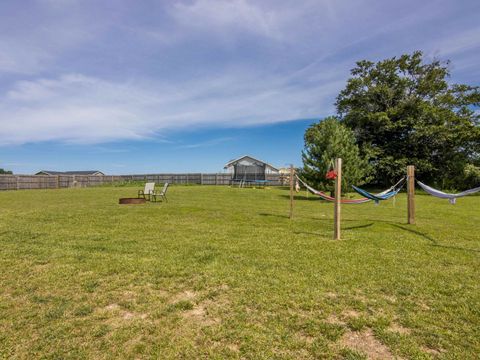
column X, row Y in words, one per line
column 377, row 198
column 394, row 190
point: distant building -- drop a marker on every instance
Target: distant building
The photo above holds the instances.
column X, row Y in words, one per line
column 247, row 168
column 82, row 172
column 284, row 170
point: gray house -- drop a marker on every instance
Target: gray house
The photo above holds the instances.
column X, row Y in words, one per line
column 248, row 168
column 81, row 172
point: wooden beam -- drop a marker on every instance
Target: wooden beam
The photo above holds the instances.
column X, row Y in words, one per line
column 338, row 196
column 411, row 193
column 291, row 190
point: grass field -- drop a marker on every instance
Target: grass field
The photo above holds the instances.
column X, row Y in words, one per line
column 223, row 273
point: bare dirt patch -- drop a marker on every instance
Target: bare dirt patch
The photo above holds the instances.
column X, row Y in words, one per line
column 224, row 287
column 117, row 315
column 129, row 295
column 233, row 347
column 366, row 343
column 305, row 338
column 423, row 305
column 200, row 314
column 205, row 310
column 390, row 298
column 127, row 315
column 395, row 327
column 334, row 320
column 186, row 295
column 361, row 298
column 350, row 314
column 431, row 351
column 112, row 307
column 331, row 295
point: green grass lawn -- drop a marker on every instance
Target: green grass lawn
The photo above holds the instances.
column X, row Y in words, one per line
column 222, row 272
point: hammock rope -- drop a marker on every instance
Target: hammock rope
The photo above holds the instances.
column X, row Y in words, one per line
column 387, row 194
column 327, row 197
column 443, row 195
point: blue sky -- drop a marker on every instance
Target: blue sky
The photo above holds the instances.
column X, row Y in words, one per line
column 160, row 86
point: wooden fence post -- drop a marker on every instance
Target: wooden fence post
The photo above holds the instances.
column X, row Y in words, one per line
column 291, row 190
column 17, row 183
column 58, row 182
column 411, row 193
column 338, row 196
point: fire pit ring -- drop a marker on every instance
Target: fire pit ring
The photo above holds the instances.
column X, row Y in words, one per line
column 126, row 201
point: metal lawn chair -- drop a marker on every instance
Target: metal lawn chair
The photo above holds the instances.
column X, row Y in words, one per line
column 162, row 194
column 147, row 192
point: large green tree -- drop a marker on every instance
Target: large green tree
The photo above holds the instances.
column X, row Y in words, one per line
column 404, row 111
column 325, row 141
column 3, row 171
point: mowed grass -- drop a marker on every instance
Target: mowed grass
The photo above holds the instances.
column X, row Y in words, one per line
column 222, row 272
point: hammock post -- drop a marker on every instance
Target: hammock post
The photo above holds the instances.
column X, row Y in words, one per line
column 291, row 191
column 338, row 195
column 411, row 193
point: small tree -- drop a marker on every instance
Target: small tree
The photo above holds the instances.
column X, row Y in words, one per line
column 325, row 141
column 2, row 172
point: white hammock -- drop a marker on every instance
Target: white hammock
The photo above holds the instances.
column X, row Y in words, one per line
column 451, row 197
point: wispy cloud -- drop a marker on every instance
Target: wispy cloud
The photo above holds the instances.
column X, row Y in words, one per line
column 207, row 143
column 86, row 72
column 459, row 42
column 224, row 16
column 80, row 109
column 109, row 150
column 35, row 36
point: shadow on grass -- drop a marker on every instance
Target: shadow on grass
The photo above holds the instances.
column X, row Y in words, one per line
column 312, row 198
column 357, row 227
column 433, row 240
column 320, row 234
column 304, row 198
column 343, row 228
column 300, row 217
column 390, row 222
column 308, row 233
column 297, row 217
column 274, row 215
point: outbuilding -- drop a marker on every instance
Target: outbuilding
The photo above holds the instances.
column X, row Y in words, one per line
column 80, row 172
column 249, row 169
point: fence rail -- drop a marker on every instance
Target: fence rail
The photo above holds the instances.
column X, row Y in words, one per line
column 21, row 182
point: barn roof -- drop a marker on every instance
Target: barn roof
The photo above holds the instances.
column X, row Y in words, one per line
column 234, row 161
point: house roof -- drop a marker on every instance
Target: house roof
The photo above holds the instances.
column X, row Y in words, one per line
column 79, row 172
column 232, row 162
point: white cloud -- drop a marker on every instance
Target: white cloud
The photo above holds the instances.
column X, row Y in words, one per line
column 167, row 65
column 213, row 15
column 36, row 36
column 77, row 108
column 459, row 42
column 207, row 143
column 17, row 57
